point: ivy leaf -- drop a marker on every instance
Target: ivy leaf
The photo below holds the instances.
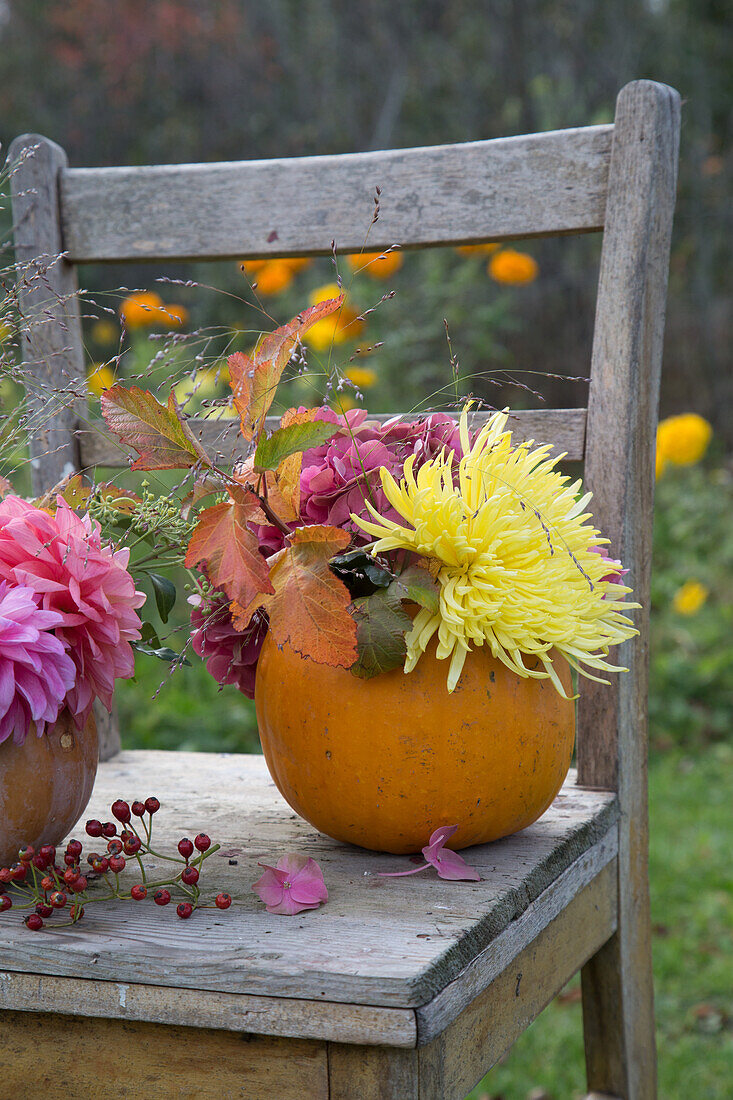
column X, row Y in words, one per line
column 310, row 606
column 158, row 433
column 228, row 551
column 419, row 585
column 381, row 626
column 272, row 450
column 164, row 591
column 255, row 379
column 361, row 572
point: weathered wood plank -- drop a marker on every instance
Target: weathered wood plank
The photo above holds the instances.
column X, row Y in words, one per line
column 52, row 348
column 146, row 1060
column 564, row 428
column 435, row 1016
column 372, row 1073
column 259, row 1015
column 390, row 942
column 612, row 741
column 510, row 187
column 451, row 1064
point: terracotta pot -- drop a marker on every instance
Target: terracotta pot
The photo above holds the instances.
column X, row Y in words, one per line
column 383, row 762
column 45, row 784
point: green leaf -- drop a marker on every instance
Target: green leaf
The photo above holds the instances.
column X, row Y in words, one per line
column 148, row 634
column 164, row 591
column 417, row 584
column 159, row 433
column 163, row 653
column 288, row 441
column 381, row 625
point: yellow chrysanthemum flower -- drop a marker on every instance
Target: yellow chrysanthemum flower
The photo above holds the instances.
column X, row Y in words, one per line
column 519, row 570
column 689, row 598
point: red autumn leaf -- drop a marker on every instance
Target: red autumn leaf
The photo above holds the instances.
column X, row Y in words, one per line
column 310, row 606
column 255, row 379
column 280, row 504
column 224, row 546
column 159, row 433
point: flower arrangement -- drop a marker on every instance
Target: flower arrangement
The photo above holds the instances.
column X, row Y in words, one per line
column 67, row 616
column 334, row 526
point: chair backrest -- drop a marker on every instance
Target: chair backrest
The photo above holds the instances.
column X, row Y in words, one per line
column 619, row 179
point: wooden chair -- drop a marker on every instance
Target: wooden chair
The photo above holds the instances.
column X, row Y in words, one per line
column 392, row 989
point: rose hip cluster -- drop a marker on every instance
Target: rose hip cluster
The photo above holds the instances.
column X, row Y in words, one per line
column 47, row 887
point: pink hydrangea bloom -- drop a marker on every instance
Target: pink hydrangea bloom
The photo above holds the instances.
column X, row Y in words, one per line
column 616, row 572
column 231, row 655
column 35, row 670
column 294, row 885
column 338, row 476
column 448, row 864
column 62, row 559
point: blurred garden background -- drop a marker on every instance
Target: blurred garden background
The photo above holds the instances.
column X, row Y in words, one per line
column 138, row 82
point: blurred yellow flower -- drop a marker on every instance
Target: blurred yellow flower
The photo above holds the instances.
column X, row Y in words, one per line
column 362, row 377
column 294, row 264
column 682, row 440
column 147, row 309
column 343, row 403
column 336, row 329
column 100, row 377
column 512, row 268
column 478, row 249
column 377, row 265
column 6, row 330
column 689, row 598
column 204, row 384
column 105, row 332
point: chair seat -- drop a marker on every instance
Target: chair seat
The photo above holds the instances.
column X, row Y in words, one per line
column 387, row 961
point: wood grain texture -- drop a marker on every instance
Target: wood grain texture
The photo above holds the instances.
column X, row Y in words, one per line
column 564, row 428
column 51, row 329
column 622, row 412
column 259, row 1015
column 137, row 1061
column 531, row 185
column 451, row 1065
column 390, row 942
column 372, row 1073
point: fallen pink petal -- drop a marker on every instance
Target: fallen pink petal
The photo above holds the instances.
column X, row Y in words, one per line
column 447, row 863
column 294, row 885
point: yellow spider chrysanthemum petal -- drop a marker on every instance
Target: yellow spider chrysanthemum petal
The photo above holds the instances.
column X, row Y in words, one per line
column 521, row 570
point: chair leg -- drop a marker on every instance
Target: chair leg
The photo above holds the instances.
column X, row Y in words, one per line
column 618, row 1016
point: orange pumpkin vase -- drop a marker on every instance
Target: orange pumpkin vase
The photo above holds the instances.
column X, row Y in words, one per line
column 383, row 762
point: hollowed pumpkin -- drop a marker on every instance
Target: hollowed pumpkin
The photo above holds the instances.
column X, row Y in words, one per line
column 382, row 762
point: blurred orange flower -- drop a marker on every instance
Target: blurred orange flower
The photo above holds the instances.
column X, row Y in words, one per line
column 362, row 377
column 478, row 249
column 512, row 268
column 377, row 265
column 105, row 332
column 273, row 278
column 147, row 309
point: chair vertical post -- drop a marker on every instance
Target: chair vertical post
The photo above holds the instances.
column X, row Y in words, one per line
column 47, row 297
column 618, row 1002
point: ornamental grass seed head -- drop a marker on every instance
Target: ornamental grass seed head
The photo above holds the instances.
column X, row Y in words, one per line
column 518, row 569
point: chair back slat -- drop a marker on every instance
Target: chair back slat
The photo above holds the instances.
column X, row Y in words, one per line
column 533, row 185
column 564, row 428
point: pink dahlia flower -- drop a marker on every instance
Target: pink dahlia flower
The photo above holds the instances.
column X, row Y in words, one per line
column 35, row 670
column 341, row 474
column 231, row 655
column 62, row 559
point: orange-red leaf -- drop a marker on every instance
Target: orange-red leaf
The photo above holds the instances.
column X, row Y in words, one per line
column 310, row 607
column 159, row 433
column 256, row 379
column 281, row 505
column 224, row 546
